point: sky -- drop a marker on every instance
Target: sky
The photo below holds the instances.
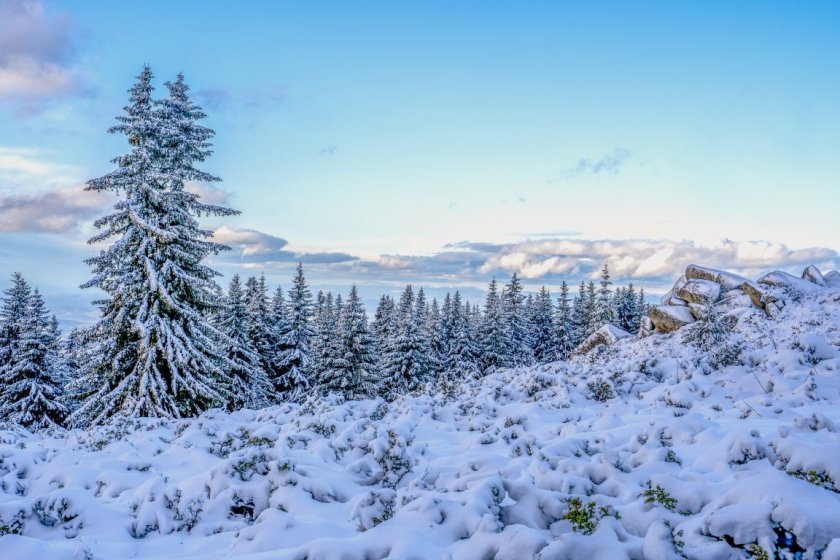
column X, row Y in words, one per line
column 441, row 142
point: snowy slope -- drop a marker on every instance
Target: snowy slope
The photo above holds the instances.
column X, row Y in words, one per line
column 686, row 444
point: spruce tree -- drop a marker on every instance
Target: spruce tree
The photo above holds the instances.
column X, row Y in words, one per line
column 351, row 371
column 602, row 312
column 542, row 327
column 435, row 336
column 496, row 350
column 518, row 330
column 563, row 325
column 463, row 352
column 259, row 323
column 580, row 315
column 31, row 373
column 405, row 359
column 154, row 353
column 294, row 360
column 248, row 384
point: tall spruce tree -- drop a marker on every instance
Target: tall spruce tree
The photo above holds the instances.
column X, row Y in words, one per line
column 352, row 368
column 542, row 327
column 515, row 311
column 154, row 353
column 563, row 325
column 463, row 352
column 31, row 373
column 602, row 312
column 496, row 348
column 295, row 339
column 248, row 384
column 405, row 358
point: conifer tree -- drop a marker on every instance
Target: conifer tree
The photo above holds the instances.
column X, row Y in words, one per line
column 324, row 333
column 295, row 339
column 153, row 352
column 405, row 359
column 518, row 330
column 259, row 323
column 563, row 325
column 463, row 352
column 435, row 336
column 30, row 369
column 580, row 315
column 248, row 384
column 542, row 327
column 351, row 371
column 602, row 312
column 496, row 351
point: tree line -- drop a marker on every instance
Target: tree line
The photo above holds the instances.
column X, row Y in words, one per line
column 170, row 342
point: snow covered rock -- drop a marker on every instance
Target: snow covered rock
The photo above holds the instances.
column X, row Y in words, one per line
column 727, row 280
column 700, row 291
column 668, row 318
column 813, row 274
column 790, row 283
column 832, row 279
column 608, row 334
column 671, row 297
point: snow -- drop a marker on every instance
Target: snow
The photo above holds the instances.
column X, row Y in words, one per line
column 740, row 432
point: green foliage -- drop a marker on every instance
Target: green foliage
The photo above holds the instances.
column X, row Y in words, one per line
column 585, row 517
column 658, row 495
column 600, row 390
column 757, row 553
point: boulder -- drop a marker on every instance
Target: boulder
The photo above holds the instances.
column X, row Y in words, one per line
column 669, row 298
column 608, row 334
column 699, row 310
column 645, row 327
column 790, row 283
column 812, row 274
column 759, row 295
column 832, row 279
column 727, row 280
column 700, row 291
column 668, row 318
column 738, row 300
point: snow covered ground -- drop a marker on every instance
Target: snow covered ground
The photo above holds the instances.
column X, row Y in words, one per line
column 690, row 444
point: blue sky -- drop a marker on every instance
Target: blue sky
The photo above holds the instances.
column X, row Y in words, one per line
column 443, row 142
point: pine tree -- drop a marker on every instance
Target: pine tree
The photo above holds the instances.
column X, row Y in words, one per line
column 30, row 371
column 294, row 340
column 563, row 325
column 542, row 327
column 248, row 384
column 496, row 351
column 405, row 358
column 515, row 310
column 154, row 354
column 351, row 371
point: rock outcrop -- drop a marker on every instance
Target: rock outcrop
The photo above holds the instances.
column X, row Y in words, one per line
column 668, row 318
column 813, row 274
column 608, row 334
column 701, row 288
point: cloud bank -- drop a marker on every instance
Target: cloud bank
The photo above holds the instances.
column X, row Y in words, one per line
column 36, row 49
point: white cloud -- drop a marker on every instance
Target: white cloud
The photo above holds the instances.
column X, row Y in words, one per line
column 53, row 211
column 28, row 167
column 35, row 52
